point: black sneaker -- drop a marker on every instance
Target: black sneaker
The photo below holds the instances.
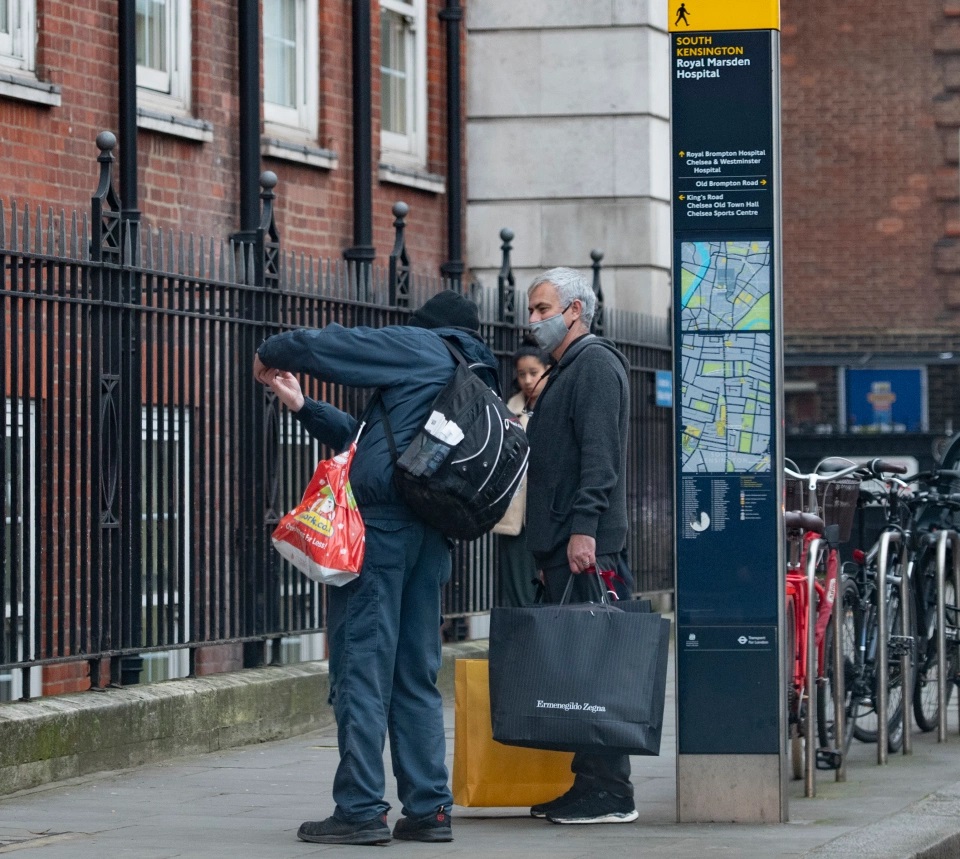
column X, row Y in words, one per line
column 542, row 809
column 598, row 807
column 336, row 831
column 436, row 826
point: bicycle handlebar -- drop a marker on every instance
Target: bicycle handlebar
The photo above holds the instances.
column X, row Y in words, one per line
column 881, row 465
column 819, row 477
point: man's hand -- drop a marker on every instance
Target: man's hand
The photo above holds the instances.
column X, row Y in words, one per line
column 285, row 385
column 581, row 552
column 287, row 388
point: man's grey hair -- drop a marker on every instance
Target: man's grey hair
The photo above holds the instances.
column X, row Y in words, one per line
column 571, row 286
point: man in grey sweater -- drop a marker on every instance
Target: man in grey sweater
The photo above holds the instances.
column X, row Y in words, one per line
column 576, row 496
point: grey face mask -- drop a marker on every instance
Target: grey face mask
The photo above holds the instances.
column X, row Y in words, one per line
column 549, row 332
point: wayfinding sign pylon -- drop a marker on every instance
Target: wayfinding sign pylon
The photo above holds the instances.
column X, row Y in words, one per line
column 725, row 135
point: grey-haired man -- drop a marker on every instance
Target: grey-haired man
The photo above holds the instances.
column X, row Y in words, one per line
column 577, row 513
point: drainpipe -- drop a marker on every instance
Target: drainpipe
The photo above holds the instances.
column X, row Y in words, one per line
column 127, row 23
column 453, row 268
column 248, row 12
column 363, row 251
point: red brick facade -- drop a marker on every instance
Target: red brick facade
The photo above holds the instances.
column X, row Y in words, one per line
column 48, row 156
column 871, row 195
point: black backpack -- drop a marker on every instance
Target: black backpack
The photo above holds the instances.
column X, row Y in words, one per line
column 464, row 466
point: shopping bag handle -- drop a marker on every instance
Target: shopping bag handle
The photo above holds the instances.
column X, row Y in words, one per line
column 593, row 571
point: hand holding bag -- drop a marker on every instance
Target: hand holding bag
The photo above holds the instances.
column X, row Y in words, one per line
column 487, row 773
column 582, row 677
column 323, row 536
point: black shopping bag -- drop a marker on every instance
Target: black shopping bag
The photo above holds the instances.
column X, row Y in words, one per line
column 584, row 677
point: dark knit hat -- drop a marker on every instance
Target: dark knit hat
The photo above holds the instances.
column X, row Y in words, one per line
column 447, row 309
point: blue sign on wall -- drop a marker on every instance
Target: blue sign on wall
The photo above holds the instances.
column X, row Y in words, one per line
column 885, row 400
column 664, row 388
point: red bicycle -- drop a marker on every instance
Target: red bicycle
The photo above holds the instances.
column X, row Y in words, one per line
column 819, row 514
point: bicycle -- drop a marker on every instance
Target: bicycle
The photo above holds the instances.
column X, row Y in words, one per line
column 860, row 593
column 825, row 505
column 933, row 511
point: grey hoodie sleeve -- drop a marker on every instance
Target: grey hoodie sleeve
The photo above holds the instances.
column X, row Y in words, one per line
column 596, row 418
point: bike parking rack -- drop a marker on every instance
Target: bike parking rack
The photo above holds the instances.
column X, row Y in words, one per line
column 943, row 537
column 906, row 662
column 809, row 721
column 883, row 559
column 839, row 684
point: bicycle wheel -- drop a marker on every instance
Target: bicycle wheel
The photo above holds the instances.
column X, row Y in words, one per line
column 926, row 704
column 896, row 696
column 826, row 718
column 864, row 705
column 794, row 740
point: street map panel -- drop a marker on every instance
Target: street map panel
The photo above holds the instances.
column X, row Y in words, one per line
column 725, row 390
column 725, row 286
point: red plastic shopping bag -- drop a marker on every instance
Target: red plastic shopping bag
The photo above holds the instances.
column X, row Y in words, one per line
column 323, row 536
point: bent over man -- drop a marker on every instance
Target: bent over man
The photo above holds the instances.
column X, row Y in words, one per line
column 384, row 626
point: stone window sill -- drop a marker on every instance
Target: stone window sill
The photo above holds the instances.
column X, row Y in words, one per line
column 177, row 126
column 412, row 178
column 29, row 89
column 314, row 156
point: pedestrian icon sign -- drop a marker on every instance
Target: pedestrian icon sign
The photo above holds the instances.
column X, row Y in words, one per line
column 710, row 15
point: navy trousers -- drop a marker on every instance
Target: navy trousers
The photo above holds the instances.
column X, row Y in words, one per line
column 385, row 650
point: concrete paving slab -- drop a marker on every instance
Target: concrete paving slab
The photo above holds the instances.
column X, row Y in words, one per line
column 249, row 801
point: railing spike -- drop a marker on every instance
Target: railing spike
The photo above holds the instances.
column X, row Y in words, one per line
column 25, row 231
column 13, row 226
column 51, row 234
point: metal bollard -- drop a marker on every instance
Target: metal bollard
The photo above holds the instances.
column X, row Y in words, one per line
column 955, row 543
column 839, row 684
column 810, row 729
column 883, row 728
column 943, row 537
column 906, row 662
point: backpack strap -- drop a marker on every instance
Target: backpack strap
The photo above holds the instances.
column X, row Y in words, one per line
column 376, row 402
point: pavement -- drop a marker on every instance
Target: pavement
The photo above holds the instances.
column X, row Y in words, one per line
column 249, row 801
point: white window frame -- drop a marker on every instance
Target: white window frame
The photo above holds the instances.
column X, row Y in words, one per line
column 170, row 91
column 302, row 120
column 168, row 664
column 18, row 47
column 11, row 684
column 410, row 149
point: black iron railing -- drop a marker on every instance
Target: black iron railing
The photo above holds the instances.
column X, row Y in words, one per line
column 145, row 468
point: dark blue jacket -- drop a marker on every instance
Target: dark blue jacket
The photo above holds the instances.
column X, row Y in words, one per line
column 410, row 365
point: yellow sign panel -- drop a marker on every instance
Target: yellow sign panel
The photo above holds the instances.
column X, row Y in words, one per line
column 703, row 15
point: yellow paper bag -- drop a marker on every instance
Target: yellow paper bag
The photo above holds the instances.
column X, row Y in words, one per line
column 487, row 773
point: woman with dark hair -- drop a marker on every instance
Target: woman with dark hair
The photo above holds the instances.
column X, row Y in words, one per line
column 517, row 571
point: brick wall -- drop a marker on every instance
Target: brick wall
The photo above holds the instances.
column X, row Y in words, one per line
column 64, row 677
column 870, row 114
column 192, row 186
